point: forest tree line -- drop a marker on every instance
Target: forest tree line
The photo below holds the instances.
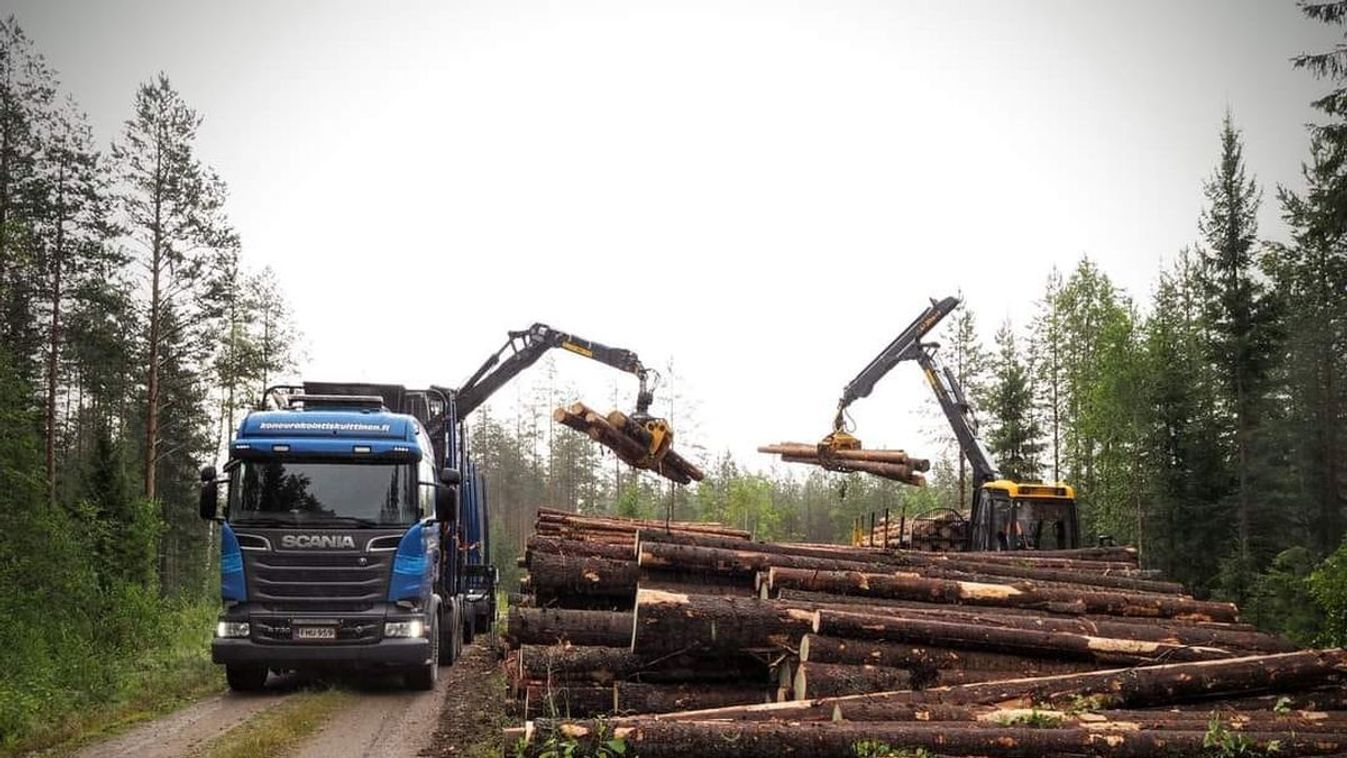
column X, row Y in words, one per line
column 131, row 334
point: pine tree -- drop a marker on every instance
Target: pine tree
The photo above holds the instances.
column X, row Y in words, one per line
column 27, row 89
column 172, row 210
column 72, row 228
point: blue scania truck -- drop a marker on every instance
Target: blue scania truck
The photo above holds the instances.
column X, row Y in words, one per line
column 354, row 534
column 354, row 526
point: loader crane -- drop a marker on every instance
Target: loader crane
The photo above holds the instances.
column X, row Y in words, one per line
column 1004, row 514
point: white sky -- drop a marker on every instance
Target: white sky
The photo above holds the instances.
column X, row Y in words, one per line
column 764, row 191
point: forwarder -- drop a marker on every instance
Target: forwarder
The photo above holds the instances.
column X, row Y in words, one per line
column 1004, row 514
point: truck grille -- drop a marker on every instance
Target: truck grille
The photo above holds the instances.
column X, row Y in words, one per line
column 317, row 581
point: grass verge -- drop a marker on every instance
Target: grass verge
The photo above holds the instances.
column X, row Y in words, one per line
column 280, row 729
column 146, row 686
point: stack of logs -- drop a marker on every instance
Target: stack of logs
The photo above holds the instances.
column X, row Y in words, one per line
column 889, row 464
column 629, row 441
column 678, row 632
column 939, row 531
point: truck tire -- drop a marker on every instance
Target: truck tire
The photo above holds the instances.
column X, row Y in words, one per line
column 423, row 677
column 448, row 651
column 246, row 678
column 469, row 626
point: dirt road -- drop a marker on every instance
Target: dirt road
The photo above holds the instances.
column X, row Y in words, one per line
column 460, row 717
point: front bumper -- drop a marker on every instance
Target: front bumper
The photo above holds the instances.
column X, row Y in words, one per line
column 387, row 652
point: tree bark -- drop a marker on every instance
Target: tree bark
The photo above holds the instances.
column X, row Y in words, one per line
column 1114, row 688
column 822, row 649
column 555, row 575
column 672, row 622
column 653, row 738
column 801, row 450
column 577, row 549
column 1032, row 642
column 577, row 701
column 815, row 680
column 595, row 665
column 549, row 626
column 1233, row 637
column 1000, row 595
column 638, row 697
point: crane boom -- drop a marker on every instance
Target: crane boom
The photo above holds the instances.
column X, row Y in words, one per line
column 904, row 347
column 525, row 347
column 959, row 414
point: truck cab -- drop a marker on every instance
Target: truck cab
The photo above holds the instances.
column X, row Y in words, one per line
column 1025, row 516
column 338, row 544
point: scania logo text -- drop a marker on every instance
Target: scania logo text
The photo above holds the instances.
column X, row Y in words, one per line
column 318, row 540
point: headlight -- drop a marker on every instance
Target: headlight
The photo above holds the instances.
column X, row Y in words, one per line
column 231, row 629
column 415, row 628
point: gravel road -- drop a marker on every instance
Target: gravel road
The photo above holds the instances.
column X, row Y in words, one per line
column 385, row 719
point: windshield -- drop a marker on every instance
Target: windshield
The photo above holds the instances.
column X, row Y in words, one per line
column 1037, row 525
column 287, row 493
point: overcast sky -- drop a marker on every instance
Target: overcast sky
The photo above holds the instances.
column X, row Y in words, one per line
column 765, row 192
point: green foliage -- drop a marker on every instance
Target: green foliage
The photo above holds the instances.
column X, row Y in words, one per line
column 1280, row 599
column 875, row 749
column 1222, row 742
column 1328, row 587
column 558, row 745
column 1034, row 719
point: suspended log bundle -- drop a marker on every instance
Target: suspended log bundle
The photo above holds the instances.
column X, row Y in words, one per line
column 629, row 441
column 888, row 464
column 726, row 646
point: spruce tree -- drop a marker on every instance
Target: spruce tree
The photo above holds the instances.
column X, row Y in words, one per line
column 1241, row 338
column 1015, row 440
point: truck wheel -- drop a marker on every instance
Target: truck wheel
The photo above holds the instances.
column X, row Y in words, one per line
column 469, row 627
column 423, row 677
column 246, row 678
column 448, row 651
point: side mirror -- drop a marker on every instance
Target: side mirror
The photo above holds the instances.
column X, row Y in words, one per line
column 450, row 476
column 446, row 503
column 210, row 494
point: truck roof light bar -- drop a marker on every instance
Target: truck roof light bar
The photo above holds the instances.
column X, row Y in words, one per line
column 371, row 402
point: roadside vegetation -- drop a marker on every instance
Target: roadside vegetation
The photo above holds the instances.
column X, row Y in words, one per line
column 130, row 335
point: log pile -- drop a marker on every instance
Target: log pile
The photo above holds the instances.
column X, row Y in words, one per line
column 630, row 441
column 888, row 464
column 570, row 627
column 717, row 645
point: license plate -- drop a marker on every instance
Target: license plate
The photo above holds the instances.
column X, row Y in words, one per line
column 315, row 632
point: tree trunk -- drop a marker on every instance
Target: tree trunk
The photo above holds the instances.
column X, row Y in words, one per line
column 821, row 649
column 652, row 738
column 815, row 680
column 997, row 595
column 636, row 697
column 555, row 575
column 671, row 622
column 543, row 700
column 1133, row 687
column 595, row 665
column 1032, row 642
column 550, row 626
column 577, row 549
column 1234, row 637
column 54, row 337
